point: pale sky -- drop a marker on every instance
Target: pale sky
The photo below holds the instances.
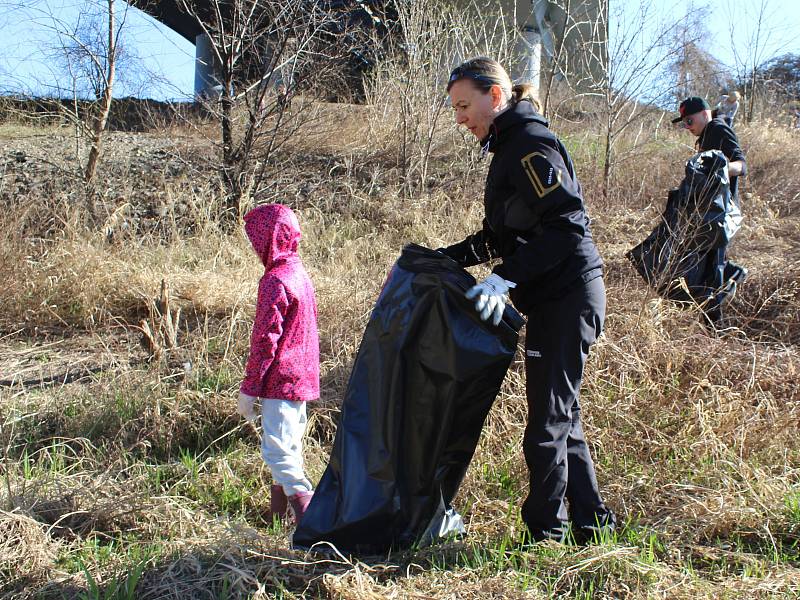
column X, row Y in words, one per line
column 733, row 24
column 162, row 62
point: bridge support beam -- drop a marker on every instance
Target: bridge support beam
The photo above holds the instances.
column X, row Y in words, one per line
column 206, row 81
column 529, row 66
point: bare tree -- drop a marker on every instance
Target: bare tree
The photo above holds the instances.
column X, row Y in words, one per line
column 106, row 70
column 754, row 40
column 89, row 49
column 271, row 59
column 781, row 80
column 84, row 50
column 696, row 71
column 614, row 71
column 408, row 87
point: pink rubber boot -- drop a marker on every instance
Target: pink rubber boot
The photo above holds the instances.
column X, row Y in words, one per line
column 299, row 503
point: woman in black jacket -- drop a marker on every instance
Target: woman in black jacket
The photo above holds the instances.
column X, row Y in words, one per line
column 536, row 223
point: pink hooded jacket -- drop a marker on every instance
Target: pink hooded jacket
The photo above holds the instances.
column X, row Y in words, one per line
column 284, row 347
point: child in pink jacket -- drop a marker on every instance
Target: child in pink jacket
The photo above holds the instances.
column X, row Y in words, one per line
column 282, row 370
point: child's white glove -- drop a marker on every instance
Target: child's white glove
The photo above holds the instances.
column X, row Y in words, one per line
column 492, row 296
column 247, row 406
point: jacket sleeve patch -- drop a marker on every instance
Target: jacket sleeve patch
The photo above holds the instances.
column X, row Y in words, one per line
column 543, row 175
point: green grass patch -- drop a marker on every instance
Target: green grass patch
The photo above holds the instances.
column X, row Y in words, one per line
column 215, row 380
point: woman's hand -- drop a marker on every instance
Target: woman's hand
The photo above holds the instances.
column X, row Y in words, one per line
column 492, row 297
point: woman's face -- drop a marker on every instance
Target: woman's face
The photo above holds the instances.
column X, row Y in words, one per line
column 474, row 108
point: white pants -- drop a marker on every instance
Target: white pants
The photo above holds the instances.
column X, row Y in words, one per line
column 284, row 423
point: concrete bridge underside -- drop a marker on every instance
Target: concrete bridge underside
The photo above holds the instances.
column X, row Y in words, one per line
column 541, row 24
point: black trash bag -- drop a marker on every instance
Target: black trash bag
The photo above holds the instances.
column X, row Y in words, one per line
column 681, row 257
column 426, row 373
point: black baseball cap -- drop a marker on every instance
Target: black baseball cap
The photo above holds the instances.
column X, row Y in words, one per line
column 690, row 106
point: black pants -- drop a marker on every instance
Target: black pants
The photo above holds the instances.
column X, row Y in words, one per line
column 719, row 272
column 558, row 338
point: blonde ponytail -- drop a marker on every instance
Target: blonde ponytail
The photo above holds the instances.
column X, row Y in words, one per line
column 525, row 91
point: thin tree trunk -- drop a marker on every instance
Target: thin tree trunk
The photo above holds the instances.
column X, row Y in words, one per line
column 229, row 156
column 607, row 158
column 105, row 102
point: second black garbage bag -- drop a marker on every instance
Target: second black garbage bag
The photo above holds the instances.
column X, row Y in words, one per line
column 423, row 381
column 678, row 258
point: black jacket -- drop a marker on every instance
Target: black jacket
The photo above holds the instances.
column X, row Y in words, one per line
column 717, row 135
column 534, row 219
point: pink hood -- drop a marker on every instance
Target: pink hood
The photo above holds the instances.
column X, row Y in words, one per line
column 274, row 232
column 283, row 363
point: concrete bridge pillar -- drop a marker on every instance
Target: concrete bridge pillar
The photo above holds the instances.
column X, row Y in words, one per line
column 529, row 65
column 543, row 27
column 206, row 84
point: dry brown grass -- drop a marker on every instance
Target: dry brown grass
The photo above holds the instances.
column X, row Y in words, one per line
column 141, row 466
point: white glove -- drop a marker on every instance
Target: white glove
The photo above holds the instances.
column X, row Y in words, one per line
column 247, row 406
column 492, row 294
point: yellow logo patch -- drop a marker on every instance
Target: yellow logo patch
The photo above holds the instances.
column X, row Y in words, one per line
column 543, row 175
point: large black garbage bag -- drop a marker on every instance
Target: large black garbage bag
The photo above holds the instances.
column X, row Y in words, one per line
column 424, row 378
column 680, row 258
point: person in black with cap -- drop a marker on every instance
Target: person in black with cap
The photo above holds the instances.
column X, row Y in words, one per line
column 713, row 133
column 536, row 223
